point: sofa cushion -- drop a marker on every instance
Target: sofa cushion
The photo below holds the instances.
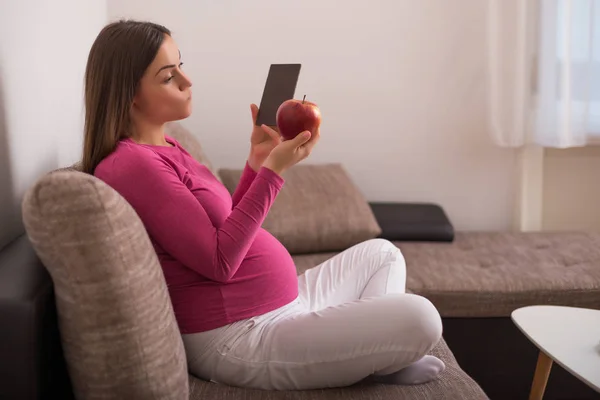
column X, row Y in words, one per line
column 319, row 209
column 485, row 274
column 187, row 140
column 452, row 384
column 117, row 326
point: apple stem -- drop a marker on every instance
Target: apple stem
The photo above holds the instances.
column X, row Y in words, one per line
column 303, row 99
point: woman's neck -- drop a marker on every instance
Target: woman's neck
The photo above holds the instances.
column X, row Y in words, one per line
column 149, row 134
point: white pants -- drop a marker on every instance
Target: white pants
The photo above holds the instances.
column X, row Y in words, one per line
column 351, row 319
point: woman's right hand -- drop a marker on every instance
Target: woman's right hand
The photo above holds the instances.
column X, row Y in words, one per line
column 290, row 152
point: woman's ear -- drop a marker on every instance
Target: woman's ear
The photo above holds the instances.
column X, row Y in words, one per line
column 135, row 101
column 134, row 109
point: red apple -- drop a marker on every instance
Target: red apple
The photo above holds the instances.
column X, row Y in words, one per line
column 296, row 116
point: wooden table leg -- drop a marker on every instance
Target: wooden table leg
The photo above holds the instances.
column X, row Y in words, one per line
column 540, row 379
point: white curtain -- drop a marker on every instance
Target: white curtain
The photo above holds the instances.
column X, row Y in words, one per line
column 544, row 75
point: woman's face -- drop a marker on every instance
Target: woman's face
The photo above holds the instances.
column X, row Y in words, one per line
column 164, row 93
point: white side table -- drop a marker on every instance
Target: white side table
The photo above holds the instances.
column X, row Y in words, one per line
column 566, row 335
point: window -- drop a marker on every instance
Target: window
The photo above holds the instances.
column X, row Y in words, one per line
column 578, row 50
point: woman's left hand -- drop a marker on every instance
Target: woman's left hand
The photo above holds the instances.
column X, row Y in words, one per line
column 262, row 141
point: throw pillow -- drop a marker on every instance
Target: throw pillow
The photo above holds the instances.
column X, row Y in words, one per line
column 318, row 209
column 118, row 329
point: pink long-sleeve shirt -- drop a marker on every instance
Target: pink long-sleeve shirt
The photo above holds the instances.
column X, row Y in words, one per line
column 220, row 265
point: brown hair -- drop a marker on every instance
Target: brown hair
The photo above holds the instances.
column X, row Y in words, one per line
column 117, row 61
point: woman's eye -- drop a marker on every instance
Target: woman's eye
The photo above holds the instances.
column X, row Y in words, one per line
column 168, row 79
column 180, row 64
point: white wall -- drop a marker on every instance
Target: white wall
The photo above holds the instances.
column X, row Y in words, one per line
column 400, row 84
column 571, row 195
column 43, row 52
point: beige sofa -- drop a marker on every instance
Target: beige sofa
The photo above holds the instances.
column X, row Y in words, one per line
column 117, row 328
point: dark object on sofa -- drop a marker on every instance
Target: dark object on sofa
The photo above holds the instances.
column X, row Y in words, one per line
column 421, row 222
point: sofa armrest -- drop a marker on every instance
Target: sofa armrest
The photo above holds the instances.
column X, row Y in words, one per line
column 412, row 222
column 32, row 365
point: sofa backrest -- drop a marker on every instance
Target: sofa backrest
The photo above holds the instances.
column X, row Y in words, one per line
column 117, row 325
column 61, row 225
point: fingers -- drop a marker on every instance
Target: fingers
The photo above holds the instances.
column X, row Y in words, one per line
column 271, row 132
column 313, row 140
column 275, row 128
column 301, row 139
column 304, row 142
column 254, row 111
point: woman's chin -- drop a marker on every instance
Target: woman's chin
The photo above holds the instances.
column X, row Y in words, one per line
column 183, row 115
column 188, row 110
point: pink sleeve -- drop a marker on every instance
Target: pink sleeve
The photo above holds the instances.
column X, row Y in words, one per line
column 179, row 223
column 248, row 175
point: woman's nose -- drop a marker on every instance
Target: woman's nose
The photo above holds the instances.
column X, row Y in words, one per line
column 185, row 82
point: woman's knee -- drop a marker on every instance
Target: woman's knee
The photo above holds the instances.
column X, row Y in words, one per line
column 423, row 318
column 385, row 246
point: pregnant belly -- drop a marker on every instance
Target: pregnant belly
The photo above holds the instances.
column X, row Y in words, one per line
column 267, row 258
column 267, row 275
